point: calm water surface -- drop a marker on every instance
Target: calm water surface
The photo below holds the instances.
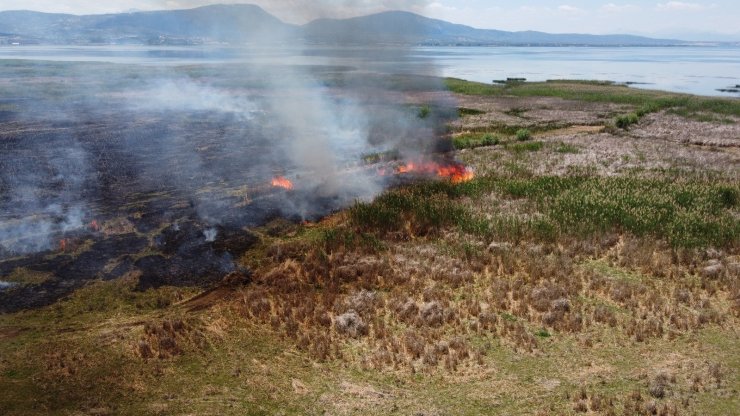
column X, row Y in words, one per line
column 696, row 70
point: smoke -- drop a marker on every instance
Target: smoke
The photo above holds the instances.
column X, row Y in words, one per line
column 209, row 137
column 210, row 234
column 42, row 195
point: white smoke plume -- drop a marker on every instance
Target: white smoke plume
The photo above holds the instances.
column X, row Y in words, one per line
column 317, row 132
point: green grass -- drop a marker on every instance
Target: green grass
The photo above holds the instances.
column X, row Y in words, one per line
column 626, row 120
column 645, row 101
column 413, row 208
column 523, row 135
column 684, row 212
column 473, row 140
column 462, row 112
column 525, row 147
column 567, row 148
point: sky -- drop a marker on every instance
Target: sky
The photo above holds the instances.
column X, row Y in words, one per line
column 689, row 19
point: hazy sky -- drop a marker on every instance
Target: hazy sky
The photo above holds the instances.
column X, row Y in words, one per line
column 689, row 18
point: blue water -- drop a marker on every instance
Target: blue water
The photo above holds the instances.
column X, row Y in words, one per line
column 696, row 70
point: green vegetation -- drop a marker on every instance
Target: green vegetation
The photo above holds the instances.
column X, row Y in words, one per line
column 645, row 101
column 686, row 213
column 626, row 120
column 462, row 112
column 421, row 207
column 523, row 135
column 473, row 140
column 567, row 148
column 424, row 111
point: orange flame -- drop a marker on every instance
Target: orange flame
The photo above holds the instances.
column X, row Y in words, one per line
column 456, row 173
column 282, row 182
column 94, row 225
column 63, row 244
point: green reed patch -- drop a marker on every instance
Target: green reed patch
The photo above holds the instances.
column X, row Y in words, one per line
column 462, row 112
column 525, row 147
column 567, row 148
column 686, row 213
column 408, row 210
column 473, row 140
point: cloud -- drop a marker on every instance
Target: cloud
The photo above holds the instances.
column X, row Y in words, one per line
column 566, row 8
column 679, row 6
column 618, row 8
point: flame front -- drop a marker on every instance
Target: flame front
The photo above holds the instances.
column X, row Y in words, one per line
column 455, row 172
column 282, row 182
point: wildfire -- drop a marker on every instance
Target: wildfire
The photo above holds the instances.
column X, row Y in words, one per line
column 63, row 244
column 455, row 172
column 94, row 225
column 282, row 182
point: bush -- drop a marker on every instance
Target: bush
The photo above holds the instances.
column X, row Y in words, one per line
column 523, row 135
column 627, row 120
column 490, row 140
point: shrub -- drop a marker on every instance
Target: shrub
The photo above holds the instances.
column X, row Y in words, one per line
column 490, row 140
column 542, row 333
column 627, row 120
column 351, row 324
column 523, row 135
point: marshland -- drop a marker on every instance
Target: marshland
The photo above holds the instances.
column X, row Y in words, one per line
column 583, row 257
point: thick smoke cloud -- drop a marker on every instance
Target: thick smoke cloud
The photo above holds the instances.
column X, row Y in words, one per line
column 305, row 112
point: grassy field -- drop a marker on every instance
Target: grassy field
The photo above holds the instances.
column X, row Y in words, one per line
column 569, row 277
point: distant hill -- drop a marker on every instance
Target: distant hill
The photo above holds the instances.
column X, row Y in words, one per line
column 391, row 27
column 241, row 23
column 219, row 23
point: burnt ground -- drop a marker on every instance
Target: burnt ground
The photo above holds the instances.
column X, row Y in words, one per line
column 147, row 175
column 100, row 185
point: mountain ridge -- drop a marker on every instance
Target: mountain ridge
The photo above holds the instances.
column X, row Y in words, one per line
column 243, row 23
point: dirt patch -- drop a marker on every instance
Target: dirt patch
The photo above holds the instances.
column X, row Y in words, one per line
column 10, row 332
column 533, row 111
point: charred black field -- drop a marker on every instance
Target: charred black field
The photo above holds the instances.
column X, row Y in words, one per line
column 111, row 169
column 326, row 239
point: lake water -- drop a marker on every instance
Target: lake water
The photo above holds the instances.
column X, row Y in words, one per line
column 696, row 70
